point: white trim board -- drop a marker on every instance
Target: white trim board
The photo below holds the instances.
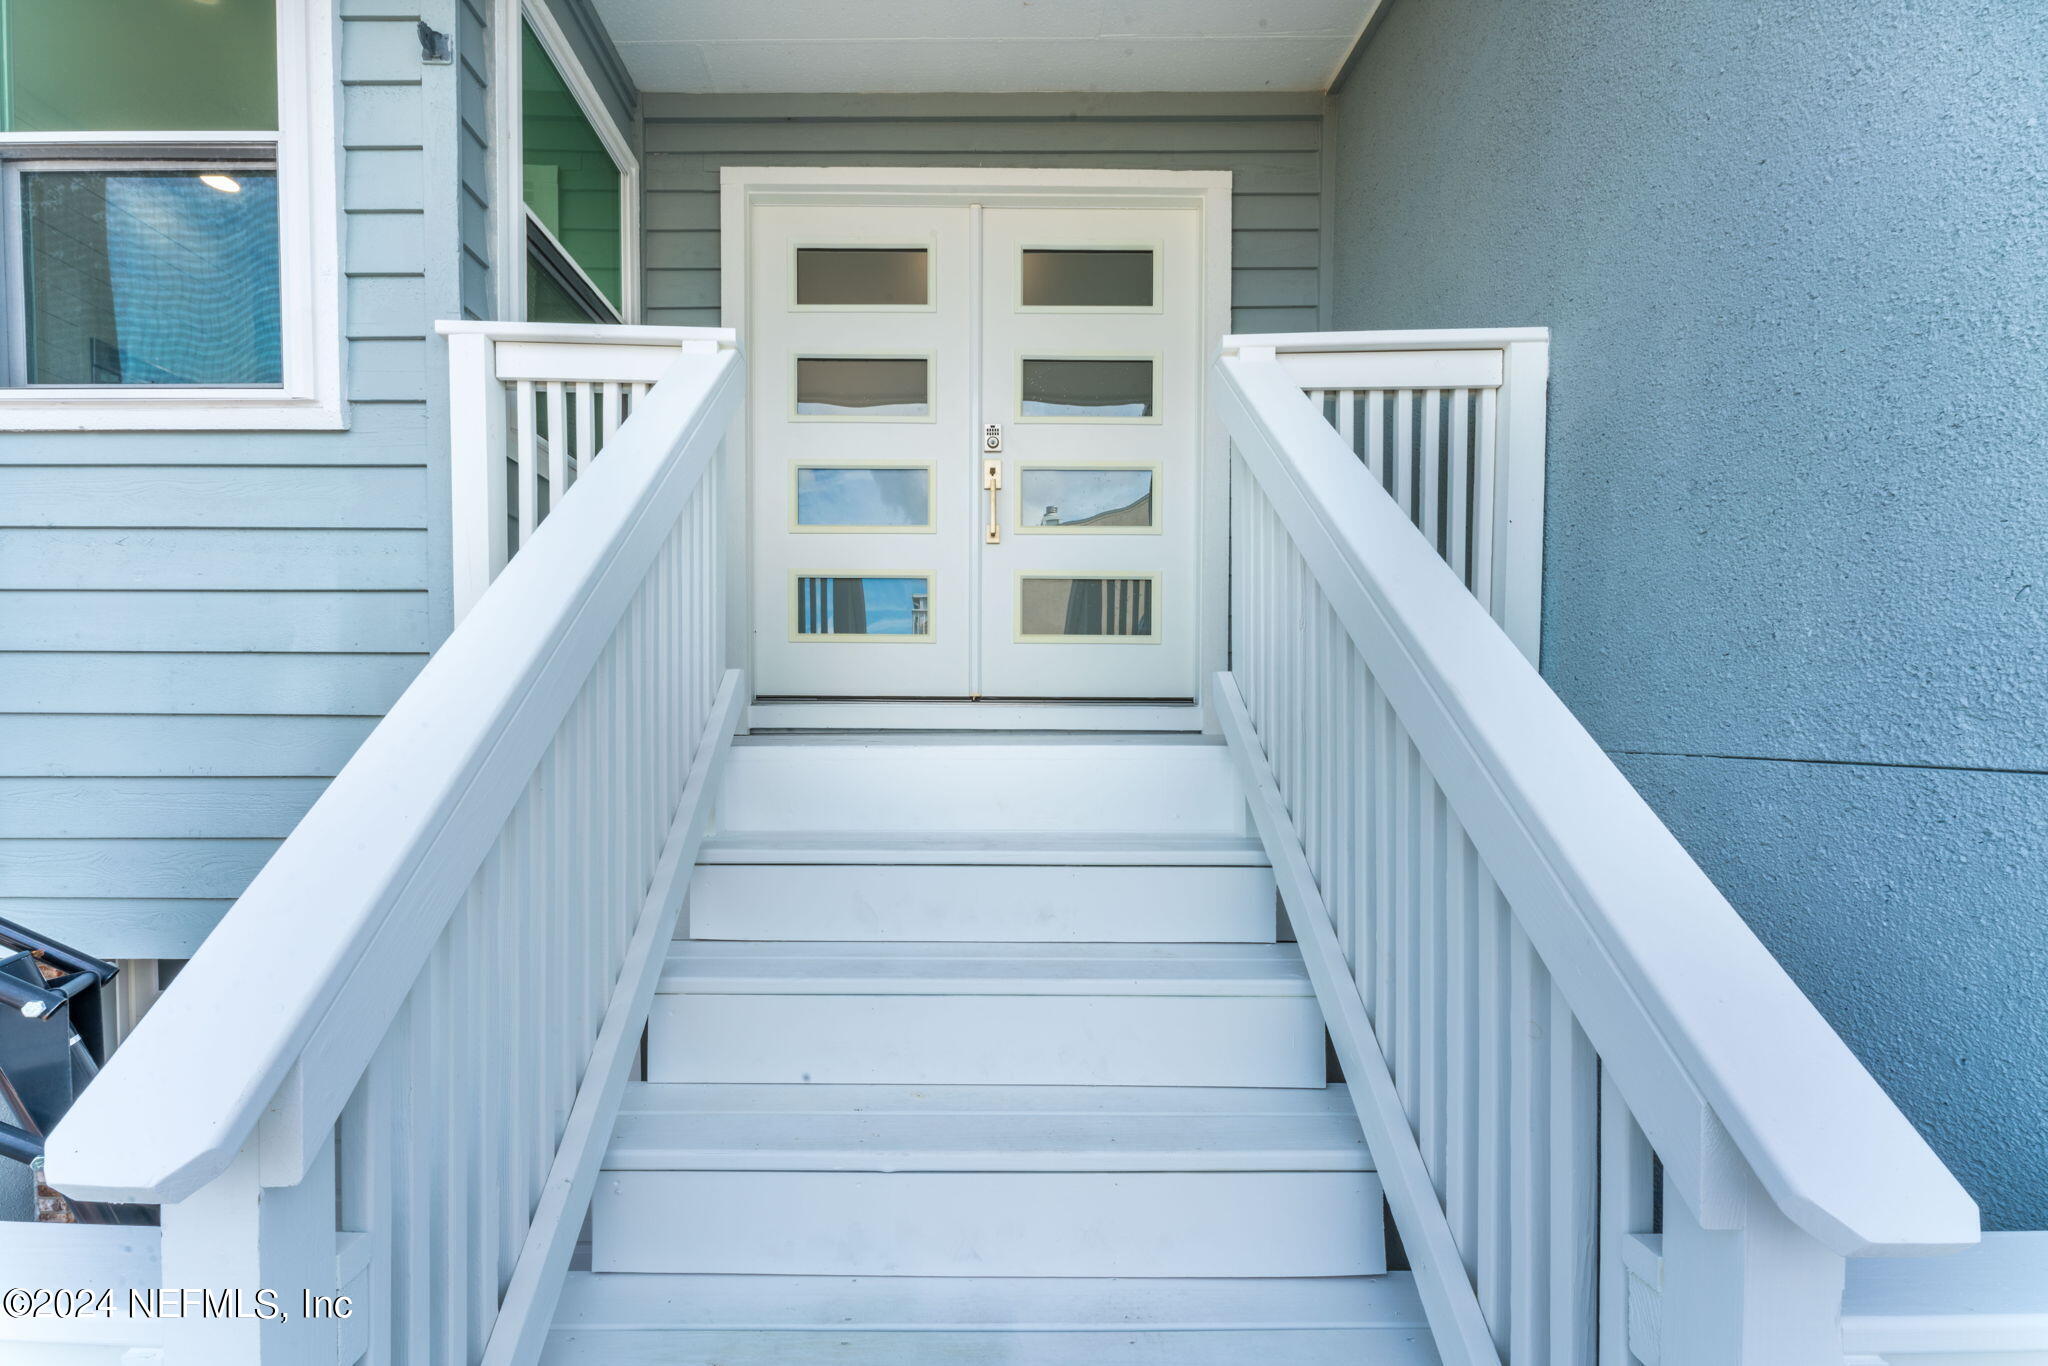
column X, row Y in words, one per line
column 306, row 146
column 743, row 187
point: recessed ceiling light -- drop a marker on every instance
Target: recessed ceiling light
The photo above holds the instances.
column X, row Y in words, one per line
column 226, row 184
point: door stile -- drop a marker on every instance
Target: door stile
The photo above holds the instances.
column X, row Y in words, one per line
column 976, row 355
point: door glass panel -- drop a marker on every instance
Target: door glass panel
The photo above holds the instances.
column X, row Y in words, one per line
column 87, row 65
column 828, row 605
column 862, row 277
column 1056, row 608
column 1077, row 499
column 1086, row 278
column 862, row 386
column 847, row 497
column 1089, row 389
column 151, row 277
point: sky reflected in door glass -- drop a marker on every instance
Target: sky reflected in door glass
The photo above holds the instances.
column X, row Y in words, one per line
column 835, row 496
column 1085, row 497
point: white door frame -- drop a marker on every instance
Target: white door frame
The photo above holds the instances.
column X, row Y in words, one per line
column 741, row 188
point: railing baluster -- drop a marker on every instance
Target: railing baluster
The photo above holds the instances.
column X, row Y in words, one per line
column 558, row 444
column 1429, row 469
column 586, row 425
column 1458, row 463
column 1376, row 435
column 526, row 459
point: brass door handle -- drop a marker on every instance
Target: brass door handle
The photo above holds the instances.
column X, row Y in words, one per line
column 992, row 480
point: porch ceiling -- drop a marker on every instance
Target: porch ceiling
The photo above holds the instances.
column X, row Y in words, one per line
column 913, row 46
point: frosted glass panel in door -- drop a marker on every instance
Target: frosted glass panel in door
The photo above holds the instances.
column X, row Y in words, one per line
column 1086, row 278
column 1088, row 389
column 862, row 386
column 862, row 277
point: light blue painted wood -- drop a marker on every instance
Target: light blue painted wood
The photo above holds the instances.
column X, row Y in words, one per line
column 384, row 622
column 378, row 434
column 121, row 927
column 1272, row 145
column 163, row 808
column 95, row 557
column 217, row 496
column 205, row 684
column 50, row 746
column 144, row 565
column 130, row 867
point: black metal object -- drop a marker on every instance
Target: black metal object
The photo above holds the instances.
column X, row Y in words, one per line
column 52, row 1042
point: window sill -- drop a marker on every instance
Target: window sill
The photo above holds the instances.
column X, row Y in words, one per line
column 188, row 410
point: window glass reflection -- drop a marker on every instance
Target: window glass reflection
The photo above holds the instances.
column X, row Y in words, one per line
column 1085, row 607
column 1081, row 498
column 151, row 277
column 827, row 605
column 845, row 497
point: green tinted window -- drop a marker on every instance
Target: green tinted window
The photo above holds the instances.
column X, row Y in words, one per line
column 571, row 183
column 137, row 65
column 548, row 302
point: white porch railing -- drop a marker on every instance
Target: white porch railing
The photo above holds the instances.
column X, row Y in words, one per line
column 1450, row 424
column 1610, row 1127
column 389, row 1073
column 530, row 407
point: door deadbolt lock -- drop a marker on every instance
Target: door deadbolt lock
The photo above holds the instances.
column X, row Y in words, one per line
column 992, row 439
column 992, row 480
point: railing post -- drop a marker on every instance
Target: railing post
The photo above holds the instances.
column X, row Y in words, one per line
column 476, row 455
column 236, row 1237
column 1518, row 557
column 1764, row 1294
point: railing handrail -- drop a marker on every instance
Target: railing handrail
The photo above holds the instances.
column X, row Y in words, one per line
column 1421, row 339
column 283, row 1007
column 1699, row 1026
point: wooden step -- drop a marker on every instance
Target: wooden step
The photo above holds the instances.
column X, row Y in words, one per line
column 986, row 1129
column 936, row 784
column 987, row 1014
column 1002, row 1181
column 606, row 1320
column 593, row 1301
column 1006, row 848
column 985, row 903
column 1116, row 1347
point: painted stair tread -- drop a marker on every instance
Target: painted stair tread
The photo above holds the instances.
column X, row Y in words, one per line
column 862, row 968
column 985, row 1129
column 595, row 1300
column 1121, row 1347
column 1011, row 847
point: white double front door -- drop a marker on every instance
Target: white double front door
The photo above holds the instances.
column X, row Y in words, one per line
column 974, row 440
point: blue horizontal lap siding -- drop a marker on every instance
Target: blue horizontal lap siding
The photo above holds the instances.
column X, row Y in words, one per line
column 1271, row 145
column 198, row 628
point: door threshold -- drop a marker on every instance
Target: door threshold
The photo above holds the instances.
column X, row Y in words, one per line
column 918, row 715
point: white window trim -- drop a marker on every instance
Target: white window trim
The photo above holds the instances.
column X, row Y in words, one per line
column 309, row 261
column 508, row 207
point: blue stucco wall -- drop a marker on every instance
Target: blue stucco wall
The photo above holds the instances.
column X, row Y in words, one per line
column 1797, row 535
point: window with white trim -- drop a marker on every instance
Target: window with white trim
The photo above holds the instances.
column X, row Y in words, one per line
column 167, row 243
column 575, row 179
